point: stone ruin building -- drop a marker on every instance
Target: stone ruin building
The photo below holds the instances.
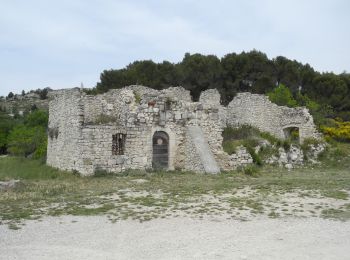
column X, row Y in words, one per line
column 141, row 128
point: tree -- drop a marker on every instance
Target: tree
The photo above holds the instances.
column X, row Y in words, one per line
column 23, row 93
column 37, row 118
column 200, row 72
column 24, row 140
column 282, row 96
column 43, row 93
column 247, row 71
column 330, row 89
column 24, row 136
column 33, row 108
column 6, row 125
column 10, row 95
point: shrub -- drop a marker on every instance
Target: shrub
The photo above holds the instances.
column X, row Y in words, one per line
column 294, row 135
column 308, row 142
column 340, row 131
column 269, row 137
column 24, row 140
column 37, row 118
column 251, row 170
column 41, row 150
column 286, row 144
column 267, row 152
column 6, row 125
column 256, row 158
column 99, row 172
column 282, row 96
column 137, row 97
column 242, row 132
column 230, row 146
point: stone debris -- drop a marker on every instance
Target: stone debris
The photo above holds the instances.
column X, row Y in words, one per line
column 240, row 158
column 140, row 181
column 8, row 185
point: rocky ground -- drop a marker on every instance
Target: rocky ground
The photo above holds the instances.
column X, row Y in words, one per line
column 302, row 213
column 69, row 237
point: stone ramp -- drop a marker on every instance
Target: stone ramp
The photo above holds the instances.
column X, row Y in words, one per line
column 203, row 149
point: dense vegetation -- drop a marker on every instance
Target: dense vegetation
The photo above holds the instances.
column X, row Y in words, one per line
column 327, row 94
column 24, row 135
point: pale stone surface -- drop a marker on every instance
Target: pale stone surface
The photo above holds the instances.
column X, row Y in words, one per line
column 201, row 146
column 8, row 185
column 258, row 111
column 81, row 127
column 72, row 237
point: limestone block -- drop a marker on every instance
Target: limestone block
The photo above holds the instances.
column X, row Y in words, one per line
column 289, row 166
column 177, row 115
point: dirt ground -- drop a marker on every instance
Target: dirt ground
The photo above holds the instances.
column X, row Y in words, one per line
column 95, row 237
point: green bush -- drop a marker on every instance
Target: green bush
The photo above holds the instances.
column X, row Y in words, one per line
column 41, row 150
column 267, row 152
column 249, row 137
column 286, row 144
column 256, row 158
column 99, row 172
column 251, row 170
column 269, row 137
column 37, row 118
column 230, row 146
column 6, row 125
column 24, row 140
column 242, row 132
column 282, row 96
column 137, row 97
column 22, row 136
column 307, row 142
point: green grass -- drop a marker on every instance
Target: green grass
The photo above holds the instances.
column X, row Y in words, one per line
column 26, row 169
column 336, row 194
column 46, row 191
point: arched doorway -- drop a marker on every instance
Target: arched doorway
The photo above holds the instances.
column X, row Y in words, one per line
column 291, row 133
column 160, row 158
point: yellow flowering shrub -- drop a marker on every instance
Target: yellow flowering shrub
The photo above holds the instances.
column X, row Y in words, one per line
column 340, row 131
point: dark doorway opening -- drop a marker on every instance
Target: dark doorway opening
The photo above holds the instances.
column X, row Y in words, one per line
column 291, row 133
column 160, row 158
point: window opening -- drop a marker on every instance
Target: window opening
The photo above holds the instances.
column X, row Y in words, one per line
column 118, row 144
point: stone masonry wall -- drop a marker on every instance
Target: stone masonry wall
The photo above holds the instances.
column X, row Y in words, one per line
column 81, row 127
column 65, row 123
column 258, row 111
column 84, row 140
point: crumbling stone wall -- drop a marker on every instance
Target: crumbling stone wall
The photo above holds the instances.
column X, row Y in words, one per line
column 87, row 123
column 65, row 123
column 81, row 127
column 258, row 111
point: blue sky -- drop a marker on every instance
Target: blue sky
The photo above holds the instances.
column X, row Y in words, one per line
column 60, row 44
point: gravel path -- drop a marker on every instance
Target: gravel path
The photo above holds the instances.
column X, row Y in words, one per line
column 176, row 238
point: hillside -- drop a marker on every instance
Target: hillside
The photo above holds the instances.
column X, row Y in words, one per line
column 19, row 104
